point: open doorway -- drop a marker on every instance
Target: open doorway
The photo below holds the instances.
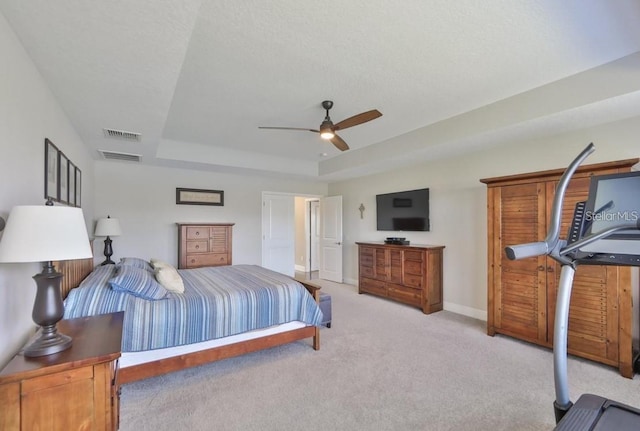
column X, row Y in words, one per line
column 287, row 235
column 307, row 236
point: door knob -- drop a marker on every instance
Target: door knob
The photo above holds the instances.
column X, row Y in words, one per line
column 338, row 243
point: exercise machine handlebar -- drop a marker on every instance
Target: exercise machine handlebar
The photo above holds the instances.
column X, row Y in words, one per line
column 521, row 251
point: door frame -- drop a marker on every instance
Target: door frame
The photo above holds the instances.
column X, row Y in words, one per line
column 262, row 232
column 308, row 235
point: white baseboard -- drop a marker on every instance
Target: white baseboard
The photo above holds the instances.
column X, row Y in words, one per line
column 449, row 306
column 351, row 281
column 301, row 268
column 466, row 311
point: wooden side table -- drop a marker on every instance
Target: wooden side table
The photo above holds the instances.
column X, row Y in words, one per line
column 73, row 389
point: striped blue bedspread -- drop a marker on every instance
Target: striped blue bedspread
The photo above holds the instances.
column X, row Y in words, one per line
column 217, row 302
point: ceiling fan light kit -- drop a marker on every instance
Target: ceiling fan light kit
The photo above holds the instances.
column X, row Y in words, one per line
column 327, row 129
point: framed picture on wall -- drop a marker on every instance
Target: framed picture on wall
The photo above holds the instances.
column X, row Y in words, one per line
column 199, row 197
column 78, row 176
column 71, row 174
column 50, row 171
column 63, row 178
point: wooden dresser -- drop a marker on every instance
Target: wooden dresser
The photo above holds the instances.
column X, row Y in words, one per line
column 204, row 244
column 522, row 294
column 75, row 389
column 411, row 274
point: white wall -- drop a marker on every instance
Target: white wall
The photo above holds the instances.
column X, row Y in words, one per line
column 28, row 114
column 143, row 198
column 458, row 202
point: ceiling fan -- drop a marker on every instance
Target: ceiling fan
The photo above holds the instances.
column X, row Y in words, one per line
column 328, row 130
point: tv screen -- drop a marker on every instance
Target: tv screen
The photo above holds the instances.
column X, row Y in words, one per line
column 403, row 211
column 614, row 200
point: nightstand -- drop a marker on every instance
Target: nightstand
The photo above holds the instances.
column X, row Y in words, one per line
column 71, row 390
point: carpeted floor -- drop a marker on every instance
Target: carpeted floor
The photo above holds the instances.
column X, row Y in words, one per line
column 382, row 366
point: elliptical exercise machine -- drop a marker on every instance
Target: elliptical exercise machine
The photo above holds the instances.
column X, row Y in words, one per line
column 605, row 231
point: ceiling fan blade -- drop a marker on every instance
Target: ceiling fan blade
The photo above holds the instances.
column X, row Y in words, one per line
column 339, row 143
column 289, row 128
column 358, row 119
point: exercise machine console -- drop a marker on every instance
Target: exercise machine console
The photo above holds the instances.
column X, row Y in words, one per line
column 605, row 231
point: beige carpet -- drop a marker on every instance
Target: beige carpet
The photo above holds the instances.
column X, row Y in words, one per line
column 382, row 366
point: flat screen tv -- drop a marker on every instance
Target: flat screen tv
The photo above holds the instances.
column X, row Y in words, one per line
column 614, row 200
column 403, row 211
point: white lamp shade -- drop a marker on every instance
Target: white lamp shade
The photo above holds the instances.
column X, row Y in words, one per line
column 108, row 227
column 43, row 233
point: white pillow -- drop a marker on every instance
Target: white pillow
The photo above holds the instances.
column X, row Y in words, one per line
column 169, row 278
column 157, row 263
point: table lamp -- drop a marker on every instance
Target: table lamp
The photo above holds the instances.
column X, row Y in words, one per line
column 108, row 227
column 45, row 234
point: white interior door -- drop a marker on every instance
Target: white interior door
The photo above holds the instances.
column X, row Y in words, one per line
column 278, row 233
column 331, row 238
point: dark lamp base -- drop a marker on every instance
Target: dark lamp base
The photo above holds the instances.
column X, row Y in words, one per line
column 108, row 252
column 47, row 344
column 48, row 309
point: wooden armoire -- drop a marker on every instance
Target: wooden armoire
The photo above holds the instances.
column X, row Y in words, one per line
column 522, row 294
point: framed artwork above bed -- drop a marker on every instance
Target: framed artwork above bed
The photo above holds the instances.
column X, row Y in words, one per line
column 199, row 197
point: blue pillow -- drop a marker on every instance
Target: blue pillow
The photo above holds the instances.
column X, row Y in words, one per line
column 138, row 282
column 135, row 262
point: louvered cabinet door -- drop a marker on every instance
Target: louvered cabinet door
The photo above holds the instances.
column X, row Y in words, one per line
column 594, row 318
column 519, row 297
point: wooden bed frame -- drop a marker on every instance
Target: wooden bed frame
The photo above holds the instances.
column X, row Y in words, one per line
column 75, row 271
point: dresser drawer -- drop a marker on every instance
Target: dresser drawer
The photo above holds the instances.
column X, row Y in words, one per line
column 373, row 286
column 366, row 271
column 198, row 232
column 366, row 259
column 413, row 255
column 206, row 259
column 414, row 281
column 198, row 246
column 57, row 379
column 404, row 294
column 413, row 267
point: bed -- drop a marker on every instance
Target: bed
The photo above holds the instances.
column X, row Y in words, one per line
column 281, row 311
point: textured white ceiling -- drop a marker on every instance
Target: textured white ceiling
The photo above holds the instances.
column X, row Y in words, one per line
column 197, row 78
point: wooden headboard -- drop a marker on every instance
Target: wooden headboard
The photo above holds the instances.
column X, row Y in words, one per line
column 73, row 271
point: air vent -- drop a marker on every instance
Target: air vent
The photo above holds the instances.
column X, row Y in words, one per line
column 127, row 157
column 122, row 135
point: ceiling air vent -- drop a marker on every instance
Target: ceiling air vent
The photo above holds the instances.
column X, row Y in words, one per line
column 122, row 135
column 127, row 157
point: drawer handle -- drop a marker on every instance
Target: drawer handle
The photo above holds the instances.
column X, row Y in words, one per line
column 197, row 247
column 193, row 261
column 197, row 233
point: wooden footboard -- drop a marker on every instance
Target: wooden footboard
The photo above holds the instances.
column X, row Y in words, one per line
column 167, row 365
